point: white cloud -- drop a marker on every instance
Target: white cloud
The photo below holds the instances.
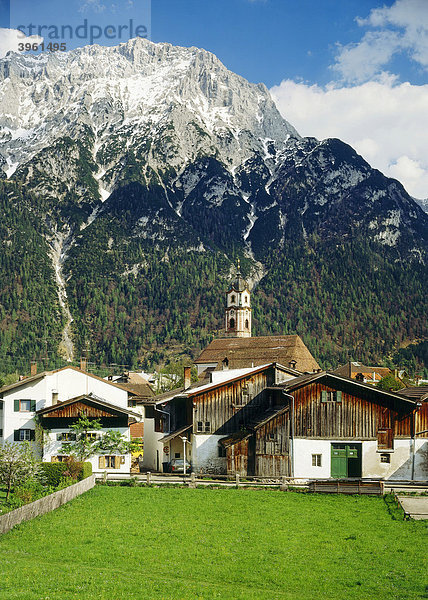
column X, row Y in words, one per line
column 384, row 121
column 400, row 28
column 10, row 38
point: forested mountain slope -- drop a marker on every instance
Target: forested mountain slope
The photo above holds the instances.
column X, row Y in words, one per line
column 134, row 177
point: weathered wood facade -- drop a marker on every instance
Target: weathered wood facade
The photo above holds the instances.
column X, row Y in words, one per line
column 231, row 407
column 359, row 413
column 319, row 412
column 272, row 446
column 66, row 413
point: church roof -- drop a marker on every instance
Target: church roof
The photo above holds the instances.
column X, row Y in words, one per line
column 238, row 284
column 255, row 351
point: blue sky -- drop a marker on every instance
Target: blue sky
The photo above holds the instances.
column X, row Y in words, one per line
column 324, row 60
column 262, row 40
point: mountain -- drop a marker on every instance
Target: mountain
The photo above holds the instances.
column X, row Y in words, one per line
column 423, row 204
column 139, row 173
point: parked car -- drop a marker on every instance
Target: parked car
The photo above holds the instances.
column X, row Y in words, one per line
column 177, row 465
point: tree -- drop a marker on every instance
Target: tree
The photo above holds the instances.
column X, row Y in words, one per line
column 88, row 442
column 112, row 441
column 389, row 383
column 17, row 465
column 85, row 445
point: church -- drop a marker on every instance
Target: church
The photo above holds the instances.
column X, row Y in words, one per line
column 240, row 350
column 262, row 407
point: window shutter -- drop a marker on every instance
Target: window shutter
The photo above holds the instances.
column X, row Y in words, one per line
column 16, row 405
column 16, row 435
column 338, row 396
column 117, row 462
column 33, row 406
column 323, row 396
column 32, row 435
column 101, row 462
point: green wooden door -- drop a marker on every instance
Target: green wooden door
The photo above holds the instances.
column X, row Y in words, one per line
column 345, row 460
column 339, row 461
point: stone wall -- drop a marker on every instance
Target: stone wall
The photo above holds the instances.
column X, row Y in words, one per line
column 45, row 505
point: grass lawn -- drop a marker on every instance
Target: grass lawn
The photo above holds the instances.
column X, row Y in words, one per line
column 121, row 543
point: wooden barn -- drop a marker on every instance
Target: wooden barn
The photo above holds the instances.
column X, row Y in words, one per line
column 205, row 413
column 324, row 425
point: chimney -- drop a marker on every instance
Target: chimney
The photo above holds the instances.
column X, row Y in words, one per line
column 82, row 363
column 54, row 397
column 187, row 377
column 33, row 368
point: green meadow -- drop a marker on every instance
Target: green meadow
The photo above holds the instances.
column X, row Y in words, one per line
column 121, row 543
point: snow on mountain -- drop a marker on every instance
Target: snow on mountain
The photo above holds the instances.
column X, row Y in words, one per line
column 78, row 127
column 134, row 92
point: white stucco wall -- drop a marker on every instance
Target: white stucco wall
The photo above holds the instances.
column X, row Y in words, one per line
column 303, row 450
column 53, row 448
column 153, row 449
column 68, row 383
column 205, row 456
column 399, row 468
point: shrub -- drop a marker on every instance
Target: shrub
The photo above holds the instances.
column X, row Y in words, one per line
column 54, row 472
column 86, row 470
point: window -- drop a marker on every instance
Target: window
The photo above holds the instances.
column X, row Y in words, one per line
column 67, row 436
column 110, row 462
column 331, row 396
column 385, row 458
column 272, row 437
column 232, row 298
column 59, row 458
column 232, row 323
column 177, row 455
column 24, row 405
column 246, row 324
column 316, row 460
column 203, row 427
column 132, row 403
column 90, row 436
column 221, row 451
column 24, row 435
column 385, row 439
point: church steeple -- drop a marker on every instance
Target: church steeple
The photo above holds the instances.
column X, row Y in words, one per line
column 238, row 307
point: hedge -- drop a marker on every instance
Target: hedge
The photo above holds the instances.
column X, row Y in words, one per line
column 55, row 472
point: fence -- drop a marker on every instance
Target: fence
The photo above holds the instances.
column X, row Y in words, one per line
column 45, row 504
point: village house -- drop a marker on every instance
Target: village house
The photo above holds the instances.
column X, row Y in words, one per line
column 324, row 425
column 204, row 413
column 364, row 373
column 54, row 400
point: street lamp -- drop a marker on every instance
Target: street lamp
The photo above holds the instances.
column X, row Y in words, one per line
column 185, row 441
